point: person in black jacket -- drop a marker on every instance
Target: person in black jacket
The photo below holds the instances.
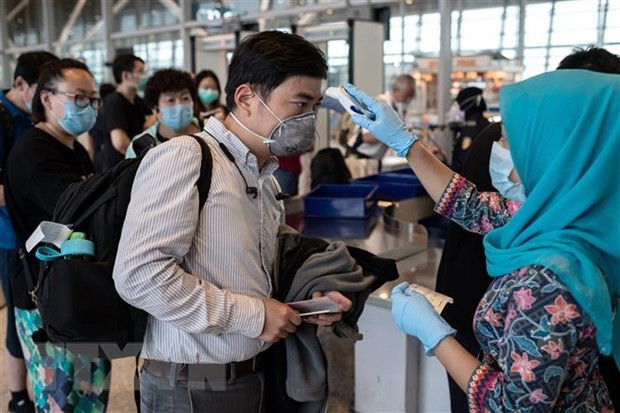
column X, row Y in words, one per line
column 472, row 105
column 40, row 167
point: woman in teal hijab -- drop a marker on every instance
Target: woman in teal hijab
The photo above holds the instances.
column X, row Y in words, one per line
column 556, row 260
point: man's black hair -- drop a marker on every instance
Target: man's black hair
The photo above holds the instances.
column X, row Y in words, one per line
column 167, row 80
column 592, row 58
column 266, row 59
column 124, row 63
column 29, row 65
column 52, row 72
column 204, row 74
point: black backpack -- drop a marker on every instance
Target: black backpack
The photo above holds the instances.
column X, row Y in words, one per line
column 328, row 167
column 77, row 298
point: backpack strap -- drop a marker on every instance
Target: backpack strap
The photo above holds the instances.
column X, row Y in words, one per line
column 206, row 168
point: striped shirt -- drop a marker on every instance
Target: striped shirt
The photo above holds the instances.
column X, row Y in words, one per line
column 201, row 278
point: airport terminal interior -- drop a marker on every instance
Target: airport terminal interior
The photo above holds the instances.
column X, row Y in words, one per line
column 373, row 182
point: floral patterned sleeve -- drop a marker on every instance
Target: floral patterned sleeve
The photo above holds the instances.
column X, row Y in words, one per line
column 540, row 348
column 475, row 211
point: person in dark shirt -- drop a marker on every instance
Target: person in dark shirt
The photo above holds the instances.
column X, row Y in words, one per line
column 40, row 167
column 15, row 120
column 124, row 112
column 472, row 106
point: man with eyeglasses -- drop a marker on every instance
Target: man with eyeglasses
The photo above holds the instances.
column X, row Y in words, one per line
column 124, row 113
column 15, row 120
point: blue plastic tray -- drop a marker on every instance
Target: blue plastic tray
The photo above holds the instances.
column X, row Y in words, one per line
column 340, row 201
column 338, row 228
column 402, row 173
column 393, row 187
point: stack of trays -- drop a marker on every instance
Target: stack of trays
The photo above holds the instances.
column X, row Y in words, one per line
column 341, row 201
column 394, row 186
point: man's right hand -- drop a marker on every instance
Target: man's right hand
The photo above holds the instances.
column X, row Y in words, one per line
column 280, row 321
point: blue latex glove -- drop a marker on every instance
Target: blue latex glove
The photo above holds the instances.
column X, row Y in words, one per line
column 387, row 126
column 416, row 317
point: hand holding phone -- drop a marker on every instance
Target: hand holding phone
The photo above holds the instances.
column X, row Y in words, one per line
column 314, row 306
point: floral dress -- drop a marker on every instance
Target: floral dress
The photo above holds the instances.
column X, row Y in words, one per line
column 540, row 351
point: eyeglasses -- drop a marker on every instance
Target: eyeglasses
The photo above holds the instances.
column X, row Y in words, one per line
column 81, row 101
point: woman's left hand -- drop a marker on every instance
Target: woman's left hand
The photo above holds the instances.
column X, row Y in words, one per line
column 344, row 304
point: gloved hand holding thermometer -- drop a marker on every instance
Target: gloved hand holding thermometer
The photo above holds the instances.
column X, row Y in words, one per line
column 386, row 125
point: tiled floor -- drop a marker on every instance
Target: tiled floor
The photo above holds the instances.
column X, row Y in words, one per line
column 339, row 354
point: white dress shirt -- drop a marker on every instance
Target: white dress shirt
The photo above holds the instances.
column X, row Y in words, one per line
column 201, row 279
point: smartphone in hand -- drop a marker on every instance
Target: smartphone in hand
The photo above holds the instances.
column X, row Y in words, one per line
column 314, row 306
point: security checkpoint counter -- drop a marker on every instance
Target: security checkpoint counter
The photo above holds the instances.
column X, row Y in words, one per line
column 391, row 372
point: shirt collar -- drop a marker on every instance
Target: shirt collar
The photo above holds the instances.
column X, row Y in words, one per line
column 12, row 108
column 236, row 147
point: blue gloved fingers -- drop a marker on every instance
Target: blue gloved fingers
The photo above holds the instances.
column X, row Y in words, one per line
column 361, row 96
column 402, row 287
column 409, row 292
column 361, row 120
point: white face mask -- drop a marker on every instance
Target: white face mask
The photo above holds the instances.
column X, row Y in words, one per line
column 455, row 114
column 291, row 136
column 500, row 167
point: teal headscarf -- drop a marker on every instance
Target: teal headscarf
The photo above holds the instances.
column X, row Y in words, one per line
column 564, row 133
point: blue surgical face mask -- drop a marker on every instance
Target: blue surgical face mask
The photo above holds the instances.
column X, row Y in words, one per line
column 77, row 120
column 500, row 167
column 208, row 96
column 177, row 117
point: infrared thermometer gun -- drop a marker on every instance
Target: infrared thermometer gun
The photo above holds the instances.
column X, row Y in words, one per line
column 348, row 102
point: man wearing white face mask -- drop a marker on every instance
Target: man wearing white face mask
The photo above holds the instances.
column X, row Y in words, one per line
column 205, row 279
column 361, row 142
column 170, row 94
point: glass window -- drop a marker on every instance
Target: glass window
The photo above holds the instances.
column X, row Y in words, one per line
column 158, row 51
column 395, row 44
column 556, row 54
column 25, row 22
column 411, row 32
column 86, row 25
column 481, row 28
column 429, row 36
column 534, row 61
column 143, row 14
column 575, row 22
column 91, row 53
column 612, row 29
column 511, row 28
column 537, row 18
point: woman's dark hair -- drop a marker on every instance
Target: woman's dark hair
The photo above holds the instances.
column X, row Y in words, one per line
column 266, row 59
column 204, row 74
column 592, row 58
column 167, row 80
column 52, row 72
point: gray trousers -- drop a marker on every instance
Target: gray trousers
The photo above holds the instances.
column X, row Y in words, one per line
column 243, row 395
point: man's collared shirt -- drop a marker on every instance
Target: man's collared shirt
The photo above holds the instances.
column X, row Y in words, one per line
column 202, row 279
